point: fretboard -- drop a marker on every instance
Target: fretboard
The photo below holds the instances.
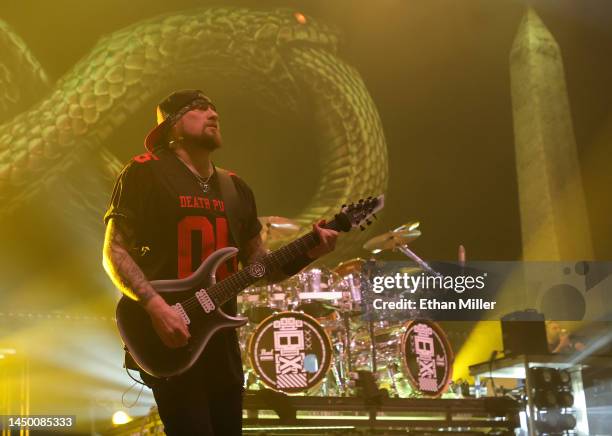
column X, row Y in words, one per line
column 231, row 286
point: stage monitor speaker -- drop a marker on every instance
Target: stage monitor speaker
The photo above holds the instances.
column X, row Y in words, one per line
column 524, row 332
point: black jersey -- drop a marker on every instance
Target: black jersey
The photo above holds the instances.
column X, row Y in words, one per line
column 176, row 226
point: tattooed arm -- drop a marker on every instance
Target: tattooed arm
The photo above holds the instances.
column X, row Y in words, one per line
column 121, row 267
column 129, row 279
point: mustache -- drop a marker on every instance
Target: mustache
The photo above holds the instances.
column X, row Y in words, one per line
column 207, row 125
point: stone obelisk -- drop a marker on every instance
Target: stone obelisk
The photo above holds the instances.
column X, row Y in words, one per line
column 552, row 205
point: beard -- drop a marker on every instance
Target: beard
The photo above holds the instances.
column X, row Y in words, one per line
column 205, row 139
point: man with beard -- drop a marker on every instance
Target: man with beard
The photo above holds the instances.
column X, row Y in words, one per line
column 166, row 215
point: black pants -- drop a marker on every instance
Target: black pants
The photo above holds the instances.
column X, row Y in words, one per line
column 188, row 410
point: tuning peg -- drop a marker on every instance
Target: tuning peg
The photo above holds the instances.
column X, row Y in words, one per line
column 362, row 227
column 374, row 215
column 368, row 222
column 360, row 200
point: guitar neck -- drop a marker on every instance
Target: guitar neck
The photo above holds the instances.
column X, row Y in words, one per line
column 231, row 286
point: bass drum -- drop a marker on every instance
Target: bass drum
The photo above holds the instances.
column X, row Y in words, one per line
column 290, row 352
column 427, row 357
column 413, row 359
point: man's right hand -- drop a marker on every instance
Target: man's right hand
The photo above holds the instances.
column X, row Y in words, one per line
column 168, row 324
column 129, row 278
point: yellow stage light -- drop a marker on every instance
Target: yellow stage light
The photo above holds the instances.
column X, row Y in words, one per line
column 300, row 18
column 120, row 417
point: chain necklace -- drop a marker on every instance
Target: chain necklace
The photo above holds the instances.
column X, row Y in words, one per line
column 204, row 185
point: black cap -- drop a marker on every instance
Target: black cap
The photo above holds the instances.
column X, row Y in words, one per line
column 170, row 110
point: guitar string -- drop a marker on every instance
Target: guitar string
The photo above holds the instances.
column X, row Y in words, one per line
column 193, row 302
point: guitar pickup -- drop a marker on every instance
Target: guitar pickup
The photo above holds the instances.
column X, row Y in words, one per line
column 205, row 301
column 181, row 311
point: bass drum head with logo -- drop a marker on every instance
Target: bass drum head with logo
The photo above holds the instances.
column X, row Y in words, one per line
column 427, row 357
column 290, row 352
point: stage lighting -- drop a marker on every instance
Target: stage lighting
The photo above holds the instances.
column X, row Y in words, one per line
column 564, row 377
column 551, row 387
column 552, row 394
column 545, row 399
column 554, row 422
column 300, row 18
column 565, row 399
column 120, row 417
column 543, row 375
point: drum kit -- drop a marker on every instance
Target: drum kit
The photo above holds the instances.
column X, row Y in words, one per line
column 306, row 335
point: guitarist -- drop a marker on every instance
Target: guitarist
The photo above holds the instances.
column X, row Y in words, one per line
column 166, row 215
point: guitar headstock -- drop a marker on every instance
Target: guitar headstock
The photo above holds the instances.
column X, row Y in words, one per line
column 359, row 214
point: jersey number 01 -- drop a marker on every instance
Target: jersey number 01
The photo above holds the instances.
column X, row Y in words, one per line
column 211, row 239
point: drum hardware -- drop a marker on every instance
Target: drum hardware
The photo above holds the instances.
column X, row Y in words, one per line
column 398, row 239
column 366, row 386
column 257, row 303
column 346, row 320
column 318, row 296
column 316, row 309
column 352, row 266
column 328, row 299
column 337, row 378
column 340, row 368
column 258, row 313
column 420, row 262
column 318, row 293
column 373, row 345
column 402, row 235
column 391, row 372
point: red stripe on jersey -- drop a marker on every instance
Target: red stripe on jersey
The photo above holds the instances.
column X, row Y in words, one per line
column 186, row 226
column 222, row 241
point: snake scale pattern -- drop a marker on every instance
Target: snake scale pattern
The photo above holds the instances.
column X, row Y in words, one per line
column 53, row 135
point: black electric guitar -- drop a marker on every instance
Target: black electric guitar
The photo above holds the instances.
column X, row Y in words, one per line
column 198, row 298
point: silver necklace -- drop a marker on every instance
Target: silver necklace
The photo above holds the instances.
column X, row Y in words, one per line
column 204, row 185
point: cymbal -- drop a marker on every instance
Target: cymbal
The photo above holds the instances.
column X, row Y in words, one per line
column 409, row 226
column 350, row 266
column 402, row 235
column 277, row 227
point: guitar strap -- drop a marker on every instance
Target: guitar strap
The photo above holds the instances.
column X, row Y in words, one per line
column 233, row 211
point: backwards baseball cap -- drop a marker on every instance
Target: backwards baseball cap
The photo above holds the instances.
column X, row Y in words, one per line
column 170, row 110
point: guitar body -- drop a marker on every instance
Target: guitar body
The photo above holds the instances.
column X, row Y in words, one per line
column 143, row 342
